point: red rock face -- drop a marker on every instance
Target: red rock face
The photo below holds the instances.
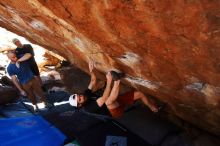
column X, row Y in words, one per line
column 168, row 48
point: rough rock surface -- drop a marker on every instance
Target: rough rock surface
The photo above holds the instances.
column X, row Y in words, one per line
column 76, row 81
column 169, row 49
column 8, row 94
column 49, row 60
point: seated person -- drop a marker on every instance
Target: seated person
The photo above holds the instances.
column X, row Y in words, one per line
column 110, row 99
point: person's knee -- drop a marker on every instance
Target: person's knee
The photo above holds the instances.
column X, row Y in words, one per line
column 138, row 95
column 109, row 102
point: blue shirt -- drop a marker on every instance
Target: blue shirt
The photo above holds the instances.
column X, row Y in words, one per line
column 23, row 73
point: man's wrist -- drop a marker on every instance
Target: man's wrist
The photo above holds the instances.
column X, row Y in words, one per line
column 109, row 82
column 116, row 83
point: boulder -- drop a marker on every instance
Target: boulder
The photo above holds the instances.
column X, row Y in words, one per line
column 8, row 94
column 168, row 49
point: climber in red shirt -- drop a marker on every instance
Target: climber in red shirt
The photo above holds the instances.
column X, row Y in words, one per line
column 110, row 99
